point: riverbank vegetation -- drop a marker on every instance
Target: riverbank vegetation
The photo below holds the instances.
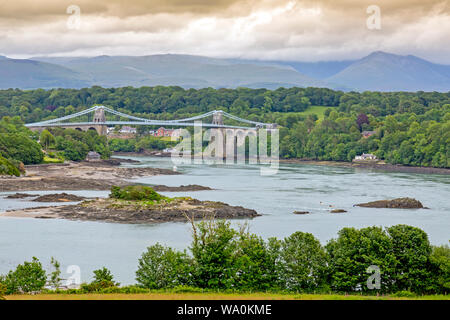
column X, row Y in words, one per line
column 140, row 143
column 318, row 124
column 20, row 146
column 397, row 261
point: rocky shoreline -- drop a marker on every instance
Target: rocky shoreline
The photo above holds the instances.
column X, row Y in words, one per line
column 120, row 211
column 371, row 166
column 380, row 165
column 99, row 175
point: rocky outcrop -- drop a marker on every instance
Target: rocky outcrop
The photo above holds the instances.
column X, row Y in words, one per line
column 19, row 195
column 338, row 211
column 190, row 187
column 177, row 210
column 400, row 203
column 59, row 197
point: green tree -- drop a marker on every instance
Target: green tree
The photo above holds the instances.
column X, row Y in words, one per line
column 303, row 263
column 19, row 147
column 255, row 263
column 412, row 250
column 440, row 270
column 213, row 250
column 162, row 267
column 7, row 167
column 55, row 277
column 27, row 277
column 46, row 139
column 353, row 252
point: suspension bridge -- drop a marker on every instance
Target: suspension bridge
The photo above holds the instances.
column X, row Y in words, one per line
column 100, row 123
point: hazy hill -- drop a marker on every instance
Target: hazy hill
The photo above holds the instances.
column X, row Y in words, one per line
column 28, row 74
column 378, row 71
column 319, row 70
column 382, row 71
column 183, row 70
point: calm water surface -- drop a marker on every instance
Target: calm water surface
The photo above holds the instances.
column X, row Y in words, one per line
column 92, row 245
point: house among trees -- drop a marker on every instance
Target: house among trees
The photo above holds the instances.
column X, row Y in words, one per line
column 367, row 134
column 93, row 156
column 365, row 157
column 163, row 132
column 126, row 129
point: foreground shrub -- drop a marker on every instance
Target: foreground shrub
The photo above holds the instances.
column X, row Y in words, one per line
column 162, row 267
column 412, row 251
column 303, row 263
column 3, row 288
column 255, row 268
column 135, row 193
column 353, row 252
column 404, row 294
column 28, row 277
column 214, row 252
column 440, row 270
column 103, row 279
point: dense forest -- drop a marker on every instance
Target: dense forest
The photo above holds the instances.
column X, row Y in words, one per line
column 408, row 128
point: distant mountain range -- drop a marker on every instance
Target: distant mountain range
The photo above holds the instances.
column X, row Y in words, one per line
column 378, row 71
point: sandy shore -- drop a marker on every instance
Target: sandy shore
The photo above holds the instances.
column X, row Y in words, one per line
column 76, row 176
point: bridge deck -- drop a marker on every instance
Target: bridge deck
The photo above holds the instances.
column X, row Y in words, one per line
column 134, row 123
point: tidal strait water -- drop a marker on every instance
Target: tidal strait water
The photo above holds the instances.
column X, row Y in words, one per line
column 91, row 245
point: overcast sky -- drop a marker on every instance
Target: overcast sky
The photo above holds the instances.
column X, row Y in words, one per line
column 303, row 30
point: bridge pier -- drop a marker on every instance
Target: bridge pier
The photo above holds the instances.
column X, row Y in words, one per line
column 230, row 144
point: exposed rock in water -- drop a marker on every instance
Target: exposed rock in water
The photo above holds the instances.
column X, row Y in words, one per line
column 59, row 197
column 400, row 203
column 190, row 187
column 301, row 212
column 338, row 211
column 121, row 211
column 21, row 196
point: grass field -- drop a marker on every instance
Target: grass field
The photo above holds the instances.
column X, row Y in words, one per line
column 213, row 296
column 317, row 110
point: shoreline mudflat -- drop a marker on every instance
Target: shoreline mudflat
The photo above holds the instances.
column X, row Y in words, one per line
column 84, row 175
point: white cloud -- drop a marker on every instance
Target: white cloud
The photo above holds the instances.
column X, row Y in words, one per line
column 284, row 29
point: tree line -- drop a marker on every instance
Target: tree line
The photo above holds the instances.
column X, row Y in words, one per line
column 403, row 138
column 408, row 128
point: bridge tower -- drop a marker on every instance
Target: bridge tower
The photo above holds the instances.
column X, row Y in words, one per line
column 218, row 118
column 99, row 120
column 99, row 115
